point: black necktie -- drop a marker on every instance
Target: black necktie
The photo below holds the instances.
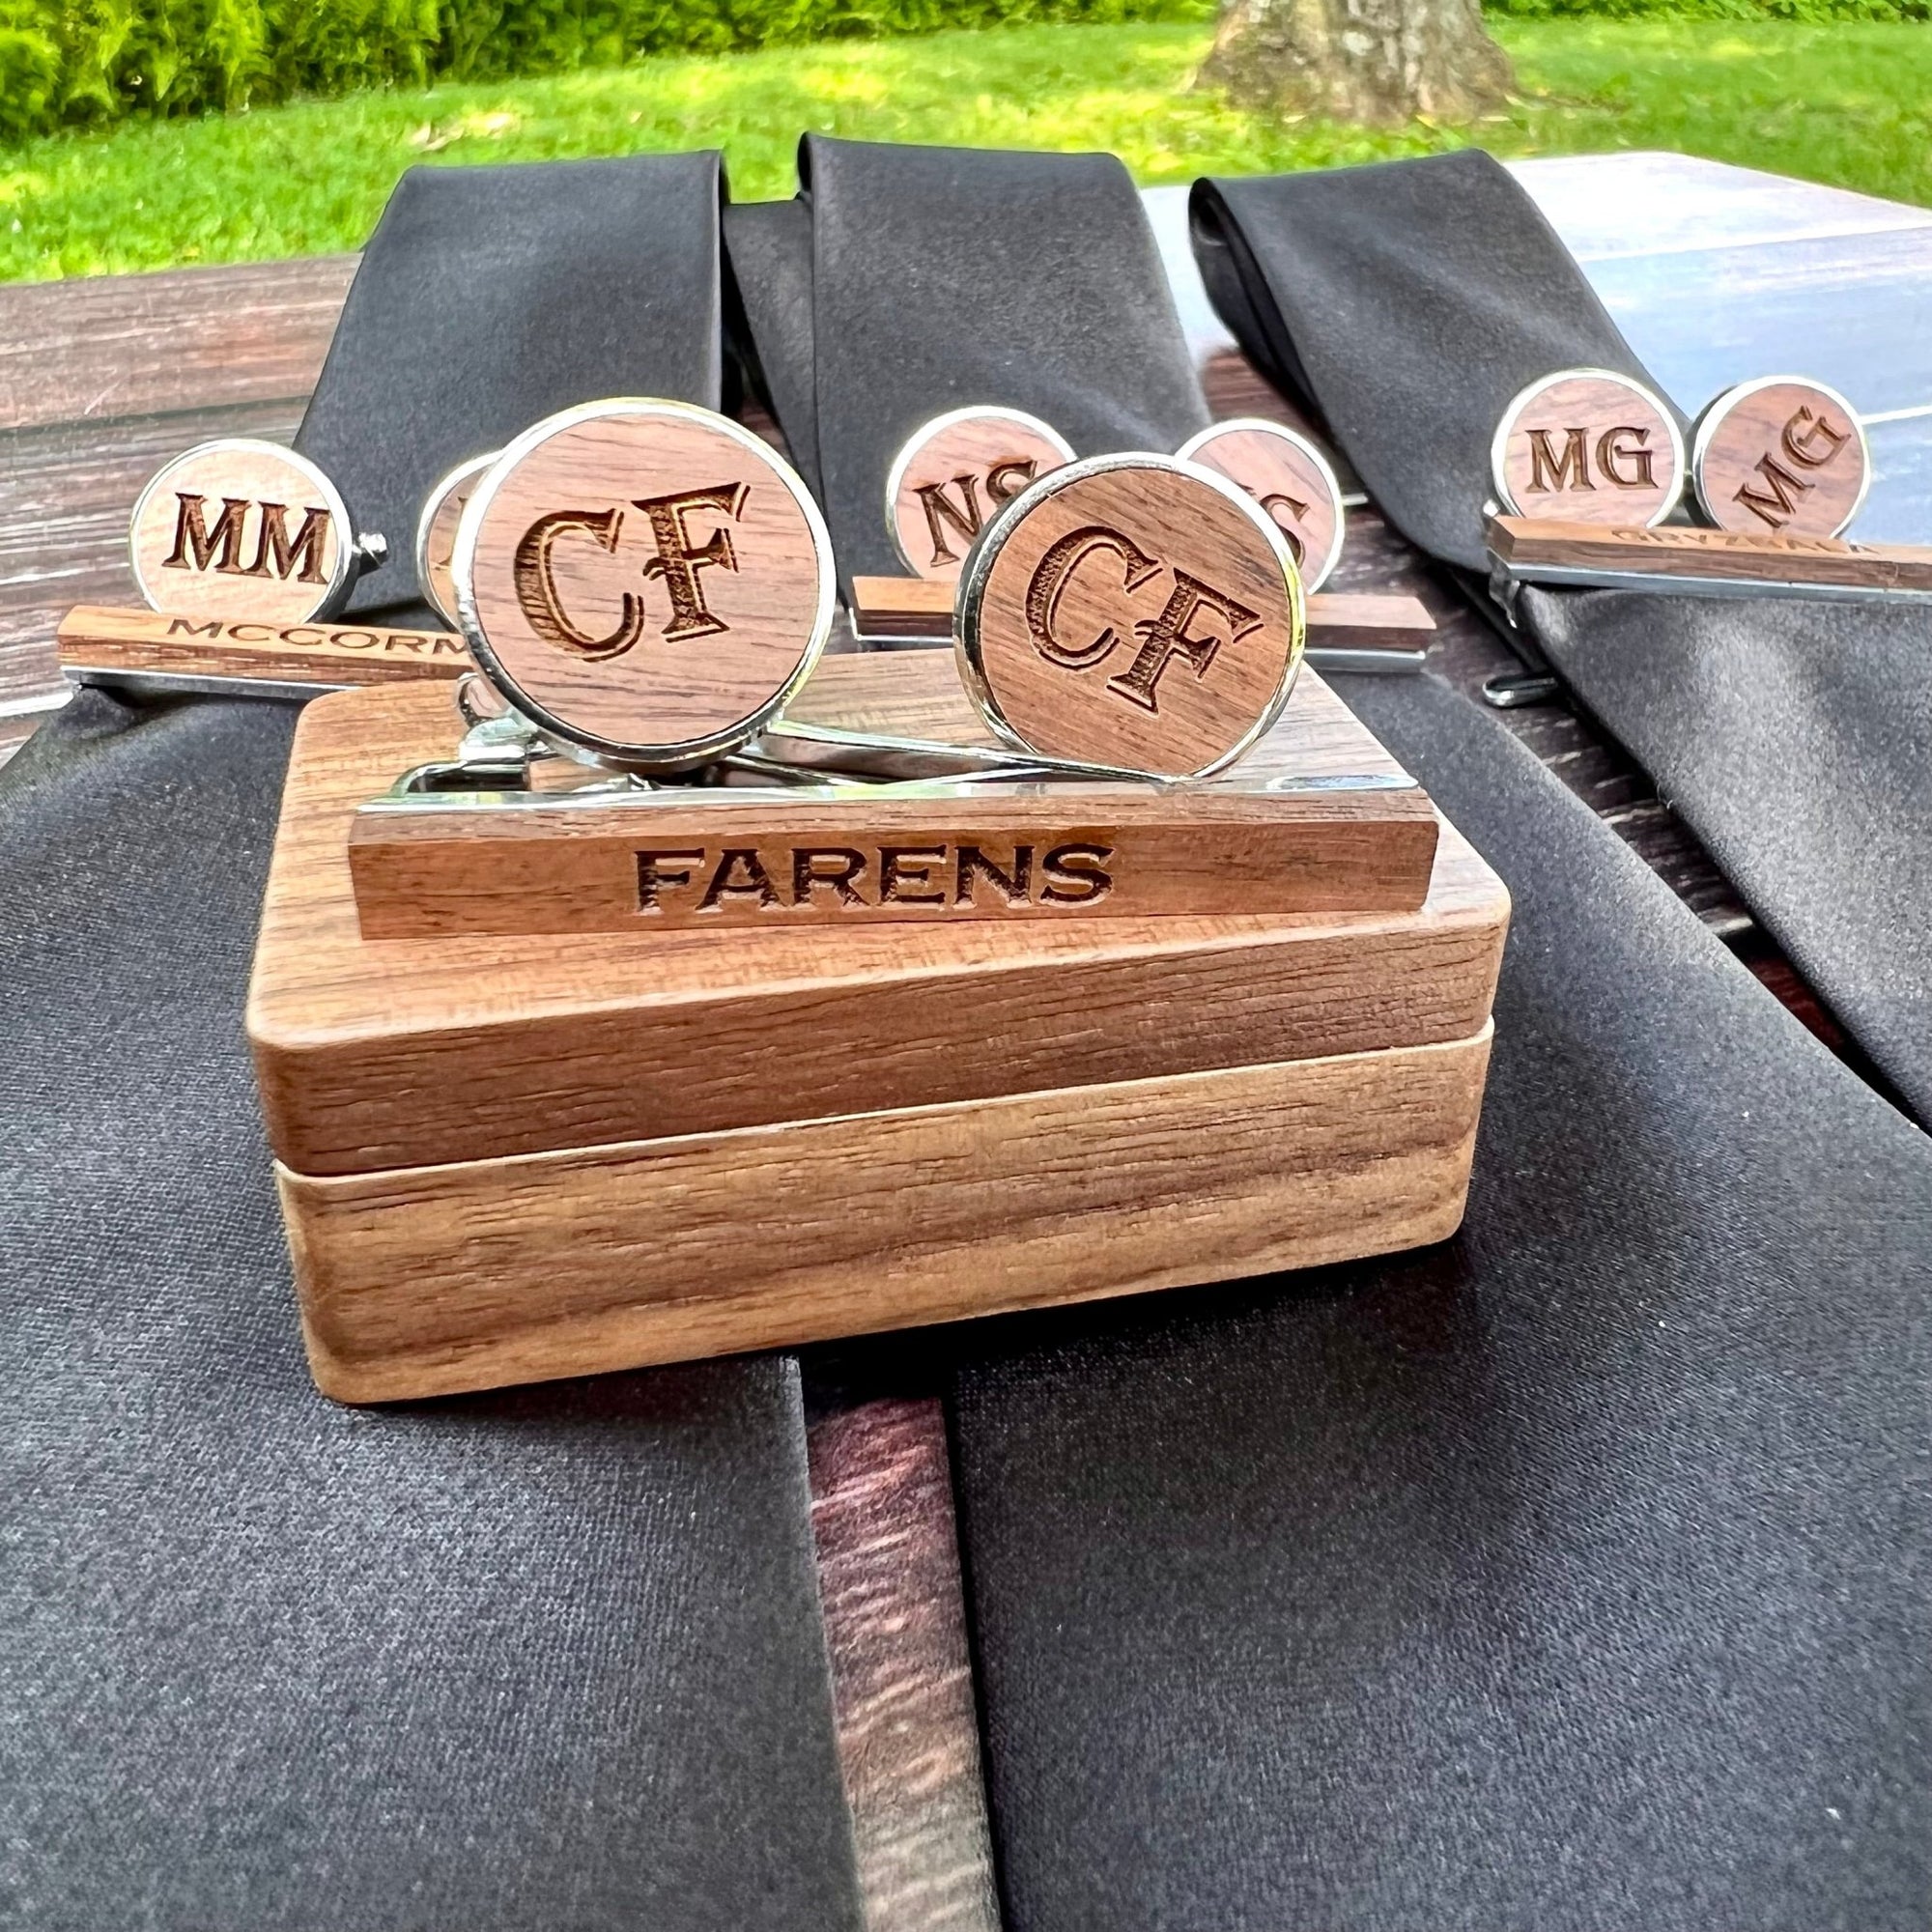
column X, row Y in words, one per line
column 1409, row 303
column 917, row 280
column 1575, row 1572
column 495, row 1664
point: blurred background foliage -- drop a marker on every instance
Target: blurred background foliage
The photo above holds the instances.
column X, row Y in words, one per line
column 79, row 63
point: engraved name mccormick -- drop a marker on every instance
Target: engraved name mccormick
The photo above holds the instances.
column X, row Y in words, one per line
column 1003, row 480
column 1163, row 638
column 1624, row 459
column 679, row 558
column 1808, row 442
column 198, row 547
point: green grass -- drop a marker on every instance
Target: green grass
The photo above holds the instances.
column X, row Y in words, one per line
column 1845, row 103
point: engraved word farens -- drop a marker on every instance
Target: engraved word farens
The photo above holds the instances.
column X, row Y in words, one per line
column 948, row 878
column 1163, row 638
column 1808, row 441
column 199, row 548
column 1624, row 459
column 1003, row 480
column 679, row 556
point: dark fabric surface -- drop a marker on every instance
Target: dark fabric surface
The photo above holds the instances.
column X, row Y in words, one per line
column 543, row 1660
column 490, row 298
column 1407, row 302
column 539, row 1660
column 1410, row 303
column 1572, row 1574
column 944, row 278
column 1795, row 738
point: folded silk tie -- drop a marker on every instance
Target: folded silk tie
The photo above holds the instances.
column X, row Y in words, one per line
column 1575, row 1572
column 1408, row 303
column 907, row 281
column 508, row 1662
column 491, row 297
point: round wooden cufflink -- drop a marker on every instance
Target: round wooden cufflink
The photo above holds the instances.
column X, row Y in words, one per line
column 1136, row 612
column 240, row 529
column 1780, row 456
column 644, row 581
column 436, row 534
column 954, row 472
column 1289, row 477
column 1588, row 446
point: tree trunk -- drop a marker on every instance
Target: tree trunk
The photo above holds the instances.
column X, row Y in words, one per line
column 1375, row 61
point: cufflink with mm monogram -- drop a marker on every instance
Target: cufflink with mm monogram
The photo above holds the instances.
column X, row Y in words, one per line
column 240, row 529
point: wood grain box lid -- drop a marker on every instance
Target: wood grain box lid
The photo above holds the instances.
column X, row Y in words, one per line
column 403, row 1053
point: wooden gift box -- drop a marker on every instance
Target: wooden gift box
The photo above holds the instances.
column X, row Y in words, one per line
column 502, row 1160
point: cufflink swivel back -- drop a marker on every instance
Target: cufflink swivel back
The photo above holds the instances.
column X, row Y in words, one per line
column 238, row 528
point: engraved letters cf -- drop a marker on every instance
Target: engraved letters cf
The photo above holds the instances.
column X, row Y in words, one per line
column 1162, row 637
column 679, row 556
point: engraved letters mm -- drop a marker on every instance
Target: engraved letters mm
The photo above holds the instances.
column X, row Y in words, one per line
column 195, row 545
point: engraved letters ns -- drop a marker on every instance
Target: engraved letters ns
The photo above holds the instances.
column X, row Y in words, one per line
column 1163, row 638
column 680, row 554
column 1004, row 479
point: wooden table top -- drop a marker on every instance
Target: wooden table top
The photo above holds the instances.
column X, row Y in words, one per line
column 1715, row 273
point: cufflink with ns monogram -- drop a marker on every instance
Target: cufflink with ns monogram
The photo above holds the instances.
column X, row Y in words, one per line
column 953, row 473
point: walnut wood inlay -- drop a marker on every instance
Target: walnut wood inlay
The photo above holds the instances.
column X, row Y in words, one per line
column 436, row 535
column 1780, row 458
column 1134, row 611
column 1588, row 446
column 647, row 579
column 1289, row 477
column 240, row 529
column 1524, row 543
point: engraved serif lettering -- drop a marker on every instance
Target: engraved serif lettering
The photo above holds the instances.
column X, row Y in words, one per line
column 196, row 547
column 1625, row 460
